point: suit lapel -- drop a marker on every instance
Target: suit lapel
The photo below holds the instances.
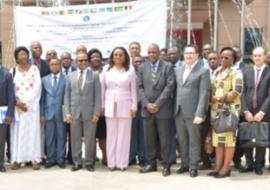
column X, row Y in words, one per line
column 180, row 74
column 159, row 70
column 87, row 78
column 265, row 70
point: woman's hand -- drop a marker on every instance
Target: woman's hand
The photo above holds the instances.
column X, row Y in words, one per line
column 133, row 113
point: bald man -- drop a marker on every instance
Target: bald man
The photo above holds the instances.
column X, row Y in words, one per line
column 156, row 84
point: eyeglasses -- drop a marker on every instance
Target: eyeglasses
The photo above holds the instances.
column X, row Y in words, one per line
column 189, row 53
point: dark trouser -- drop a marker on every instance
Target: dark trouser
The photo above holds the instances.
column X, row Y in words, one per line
column 259, row 157
column 153, row 128
column 3, row 134
column 204, row 133
column 137, row 138
column 239, row 152
column 68, row 148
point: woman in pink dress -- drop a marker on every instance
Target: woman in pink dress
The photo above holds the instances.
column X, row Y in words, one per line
column 119, row 102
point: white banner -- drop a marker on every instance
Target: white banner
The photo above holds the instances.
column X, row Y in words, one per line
column 102, row 26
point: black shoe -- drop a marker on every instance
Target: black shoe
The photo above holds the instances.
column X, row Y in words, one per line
column 148, row 168
column 222, row 175
column 258, row 171
column 63, row 165
column 49, row 165
column 246, row 169
column 238, row 166
column 132, row 162
column 193, row 173
column 213, row 173
column 141, row 163
column 166, row 171
column 3, row 169
column 205, row 166
column 90, row 168
column 182, row 170
column 76, row 168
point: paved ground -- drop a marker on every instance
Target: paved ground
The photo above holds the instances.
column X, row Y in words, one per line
column 102, row 179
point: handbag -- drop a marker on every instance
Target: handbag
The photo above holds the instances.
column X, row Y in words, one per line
column 224, row 121
column 254, row 134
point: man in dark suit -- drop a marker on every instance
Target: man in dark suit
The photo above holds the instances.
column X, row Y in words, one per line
column 156, row 84
column 255, row 102
column 7, row 102
column 52, row 100
column 82, row 110
column 36, row 51
column 192, row 97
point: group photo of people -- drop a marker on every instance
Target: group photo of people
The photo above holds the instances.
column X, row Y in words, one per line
column 195, row 110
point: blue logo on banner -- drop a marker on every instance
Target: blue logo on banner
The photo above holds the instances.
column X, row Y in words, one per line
column 86, row 18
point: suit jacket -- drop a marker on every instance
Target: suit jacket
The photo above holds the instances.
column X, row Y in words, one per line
column 118, row 87
column 86, row 101
column 52, row 102
column 7, row 93
column 263, row 91
column 44, row 67
column 192, row 96
column 160, row 92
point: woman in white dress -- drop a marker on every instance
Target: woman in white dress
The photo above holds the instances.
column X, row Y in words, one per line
column 25, row 131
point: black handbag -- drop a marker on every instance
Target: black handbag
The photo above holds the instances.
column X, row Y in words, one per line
column 224, row 121
column 254, row 134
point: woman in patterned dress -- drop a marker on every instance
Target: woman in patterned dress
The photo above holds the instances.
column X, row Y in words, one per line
column 25, row 131
column 227, row 86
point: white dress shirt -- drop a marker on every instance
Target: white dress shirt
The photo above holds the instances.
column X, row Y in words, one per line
column 188, row 69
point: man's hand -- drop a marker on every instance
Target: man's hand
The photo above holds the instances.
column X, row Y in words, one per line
column 259, row 116
column 150, row 107
column 133, row 113
column 8, row 120
column 156, row 108
column 42, row 121
column 21, row 105
column 94, row 119
column 69, row 119
column 198, row 120
column 249, row 117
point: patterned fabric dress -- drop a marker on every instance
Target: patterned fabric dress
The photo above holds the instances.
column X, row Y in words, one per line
column 223, row 82
column 25, row 132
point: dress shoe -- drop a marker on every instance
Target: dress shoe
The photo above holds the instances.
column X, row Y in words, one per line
column 193, row 173
column 258, row 171
column 222, row 175
column 90, row 168
column 141, row 163
column 148, row 168
column 35, row 166
column 2, row 169
column 182, row 170
column 63, row 165
column 246, row 169
column 166, row 171
column 76, row 168
column 238, row 166
column 49, row 165
column 213, row 173
column 15, row 166
column 132, row 162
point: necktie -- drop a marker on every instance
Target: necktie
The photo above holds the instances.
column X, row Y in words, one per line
column 153, row 73
column 66, row 71
column 254, row 97
column 80, row 80
column 54, row 84
column 37, row 63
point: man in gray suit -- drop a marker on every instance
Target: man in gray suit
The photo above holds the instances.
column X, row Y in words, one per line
column 156, row 84
column 82, row 109
column 192, row 96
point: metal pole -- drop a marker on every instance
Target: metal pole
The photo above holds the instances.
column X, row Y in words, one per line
column 216, row 25
column 171, row 20
column 87, row 2
column 242, row 38
column 189, row 22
